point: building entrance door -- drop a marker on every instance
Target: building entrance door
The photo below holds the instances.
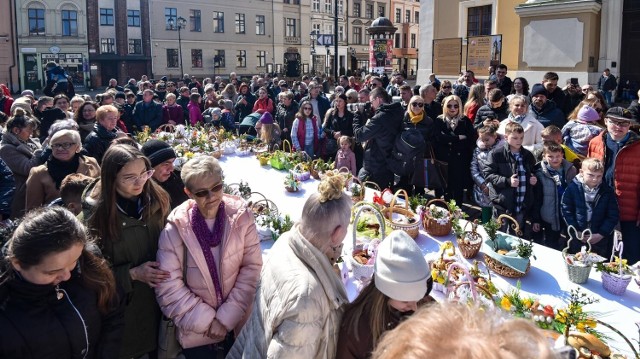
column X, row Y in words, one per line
column 630, row 52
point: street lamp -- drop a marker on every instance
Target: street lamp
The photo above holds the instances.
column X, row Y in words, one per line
column 182, row 23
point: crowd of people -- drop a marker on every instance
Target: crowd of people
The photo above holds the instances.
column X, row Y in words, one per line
column 112, row 242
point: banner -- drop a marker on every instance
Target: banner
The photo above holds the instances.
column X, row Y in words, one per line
column 482, row 52
column 447, row 56
column 380, row 55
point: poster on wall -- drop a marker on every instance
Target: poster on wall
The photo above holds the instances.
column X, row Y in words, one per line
column 447, row 56
column 482, row 52
column 380, row 55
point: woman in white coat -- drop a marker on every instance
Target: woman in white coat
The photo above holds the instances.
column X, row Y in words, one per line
column 300, row 300
column 519, row 112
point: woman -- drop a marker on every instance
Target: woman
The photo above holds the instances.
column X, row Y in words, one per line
column 21, row 153
column 301, row 139
column 519, row 112
column 263, row 103
column 475, row 101
column 245, row 102
column 454, row 141
column 229, row 93
column 223, row 256
column 445, row 90
column 104, row 132
column 285, row 113
column 61, row 101
column 58, row 299
column 337, row 122
column 86, row 118
column 210, row 98
column 300, row 300
column 172, row 113
column 417, row 118
column 127, row 211
column 43, row 184
column 400, row 280
column 520, row 86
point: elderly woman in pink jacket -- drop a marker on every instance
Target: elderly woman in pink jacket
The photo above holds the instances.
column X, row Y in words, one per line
column 216, row 235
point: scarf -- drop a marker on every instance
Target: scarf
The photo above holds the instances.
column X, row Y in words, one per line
column 210, row 239
column 522, row 178
column 415, row 118
column 518, row 118
column 58, row 170
column 452, row 122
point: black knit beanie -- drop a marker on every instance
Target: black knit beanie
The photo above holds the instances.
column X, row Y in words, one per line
column 158, row 151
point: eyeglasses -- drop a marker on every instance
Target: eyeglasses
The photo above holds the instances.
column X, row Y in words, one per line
column 307, row 108
column 62, row 146
column 620, row 123
column 446, row 87
column 417, row 104
column 206, row 192
column 452, row 106
column 143, row 177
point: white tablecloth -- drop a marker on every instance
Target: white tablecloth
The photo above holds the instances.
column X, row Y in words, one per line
column 547, row 278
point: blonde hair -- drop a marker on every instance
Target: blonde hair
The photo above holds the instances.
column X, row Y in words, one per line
column 170, row 95
column 102, row 111
column 347, row 139
column 452, row 330
column 445, row 103
column 593, row 164
column 199, row 167
column 476, row 96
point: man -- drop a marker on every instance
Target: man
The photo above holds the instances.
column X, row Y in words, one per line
column 572, row 96
column 363, row 95
column 405, row 95
column 161, row 156
column 128, row 107
column 462, row 90
column 376, row 82
column 132, row 85
column 606, row 85
column 496, row 110
column 379, row 133
column 319, row 103
column 113, row 84
column 394, row 87
column 503, row 82
column 434, row 81
column 432, row 108
column 147, row 112
column 161, row 91
column 344, row 82
column 183, row 101
column 546, row 112
column 554, row 93
column 47, row 115
column 619, row 149
column 171, row 88
column 488, row 86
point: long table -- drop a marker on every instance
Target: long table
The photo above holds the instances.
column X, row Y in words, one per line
column 546, row 280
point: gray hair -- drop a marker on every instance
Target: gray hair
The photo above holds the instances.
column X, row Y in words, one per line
column 426, row 88
column 61, row 125
column 75, row 135
column 198, row 167
column 522, row 98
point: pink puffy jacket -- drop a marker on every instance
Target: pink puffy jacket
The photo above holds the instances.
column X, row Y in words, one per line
column 192, row 306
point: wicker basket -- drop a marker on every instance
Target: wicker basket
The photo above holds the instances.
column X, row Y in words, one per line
column 262, row 205
column 167, row 127
column 577, row 274
column 356, row 198
column 313, row 171
column 451, row 288
column 363, row 271
column 471, row 249
column 499, row 267
column 264, row 161
column 412, row 229
column 614, row 283
column 432, row 226
column 300, row 174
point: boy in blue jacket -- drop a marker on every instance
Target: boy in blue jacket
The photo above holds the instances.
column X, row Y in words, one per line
column 590, row 203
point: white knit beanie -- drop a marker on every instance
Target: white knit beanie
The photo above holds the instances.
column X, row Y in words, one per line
column 400, row 270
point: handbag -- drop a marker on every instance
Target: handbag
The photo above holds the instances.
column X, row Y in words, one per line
column 168, row 345
column 436, row 172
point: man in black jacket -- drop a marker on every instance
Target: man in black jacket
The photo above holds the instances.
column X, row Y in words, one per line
column 607, row 84
column 147, row 112
column 379, row 133
column 496, row 110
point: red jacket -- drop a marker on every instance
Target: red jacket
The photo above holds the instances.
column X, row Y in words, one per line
column 626, row 175
column 265, row 104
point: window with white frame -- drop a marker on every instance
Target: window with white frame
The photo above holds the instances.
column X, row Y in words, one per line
column 357, row 35
column 69, row 22
column 36, row 22
column 218, row 21
column 108, row 45
column 356, row 9
column 290, row 27
column 328, row 6
column 262, row 58
column 398, row 14
column 407, row 16
column 240, row 24
column 260, row 24
column 241, row 56
column 316, row 5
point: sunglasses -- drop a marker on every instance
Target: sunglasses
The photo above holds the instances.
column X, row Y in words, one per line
column 307, row 108
column 205, row 192
column 143, row 177
column 452, row 106
column 62, row 146
column 446, row 87
column 417, row 104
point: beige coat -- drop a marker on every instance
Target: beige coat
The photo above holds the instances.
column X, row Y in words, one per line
column 298, row 306
column 532, row 140
column 41, row 189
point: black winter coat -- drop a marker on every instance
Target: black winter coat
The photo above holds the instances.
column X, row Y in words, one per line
column 498, row 169
column 448, row 147
column 605, row 210
column 98, row 141
column 486, row 112
column 380, row 133
column 243, row 110
column 150, row 115
column 333, row 123
column 35, row 324
column 550, row 114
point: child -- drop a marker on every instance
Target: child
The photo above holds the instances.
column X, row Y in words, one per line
column 195, row 115
column 553, row 173
column 578, row 133
column 71, row 189
column 590, row 203
column 345, row 156
column 487, row 141
column 509, row 169
column 269, row 130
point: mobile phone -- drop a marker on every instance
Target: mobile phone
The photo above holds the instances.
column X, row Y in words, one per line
column 566, row 352
column 574, row 81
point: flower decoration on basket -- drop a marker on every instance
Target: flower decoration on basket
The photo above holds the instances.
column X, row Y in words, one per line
column 507, row 255
column 418, row 204
column 579, row 265
column 463, row 287
column 291, row 183
column 356, row 189
column 616, row 274
column 469, row 243
column 437, row 221
column 143, row 135
column 401, row 217
column 241, row 189
column 272, row 226
column 320, row 166
column 365, row 241
column 263, row 158
column 440, row 266
column 301, row 171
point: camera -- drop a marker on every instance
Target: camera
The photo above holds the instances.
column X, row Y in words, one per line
column 359, row 107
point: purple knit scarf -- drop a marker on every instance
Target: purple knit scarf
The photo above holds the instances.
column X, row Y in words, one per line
column 208, row 240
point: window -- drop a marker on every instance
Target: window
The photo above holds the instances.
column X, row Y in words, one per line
column 413, row 41
column 133, row 18
column 218, row 58
column 404, row 41
column 327, row 6
column 417, row 17
column 194, row 20
column 356, row 9
column 398, row 11
column 381, row 10
column 36, row 22
column 135, row 46
column 316, row 29
column 108, row 45
column 171, row 13
column 260, row 25
column 479, row 21
column 262, row 58
column 218, row 21
column 341, row 33
column 196, row 58
column 369, row 11
column 242, row 58
column 357, row 35
column 106, row 17
column 240, row 28
column 172, row 58
column 341, row 7
column 290, row 28
column 397, row 42
column 407, row 16
column 287, row 1
column 69, row 23
column 316, row 5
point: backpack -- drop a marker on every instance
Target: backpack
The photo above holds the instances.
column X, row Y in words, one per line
column 408, row 146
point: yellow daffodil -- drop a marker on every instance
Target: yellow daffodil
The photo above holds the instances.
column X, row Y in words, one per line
column 505, row 303
column 526, row 302
column 561, row 316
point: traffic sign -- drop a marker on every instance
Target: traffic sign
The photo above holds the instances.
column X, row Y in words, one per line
column 325, row 39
